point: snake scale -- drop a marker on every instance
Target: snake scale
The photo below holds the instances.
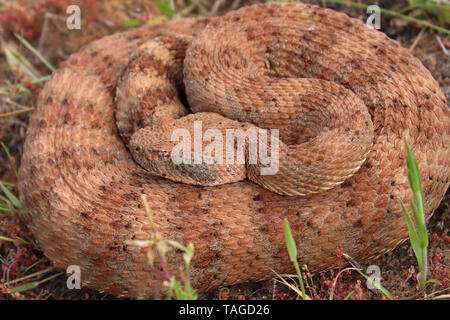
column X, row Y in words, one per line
column 81, row 187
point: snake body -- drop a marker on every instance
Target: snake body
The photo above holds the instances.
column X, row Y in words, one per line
column 81, row 187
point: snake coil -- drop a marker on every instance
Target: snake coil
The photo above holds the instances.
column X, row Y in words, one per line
column 340, row 93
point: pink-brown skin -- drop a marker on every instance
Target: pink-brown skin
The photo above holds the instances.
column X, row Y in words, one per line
column 326, row 129
column 82, row 189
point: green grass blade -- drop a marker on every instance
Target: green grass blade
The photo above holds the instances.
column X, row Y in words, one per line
column 155, row 21
column 413, row 169
column 418, row 205
column 441, row 9
column 132, row 23
column 7, row 239
column 349, row 295
column 35, row 264
column 37, row 53
column 8, row 184
column 8, row 154
column 4, row 199
column 378, row 285
column 34, row 284
column 414, row 178
column 202, row 9
column 23, row 241
column 17, row 61
column 292, row 251
column 179, row 292
column 413, row 237
column 11, row 197
column 20, row 240
column 290, row 243
column 429, row 281
column 165, row 9
column 4, row 207
column 421, row 229
column 41, row 79
column 392, row 13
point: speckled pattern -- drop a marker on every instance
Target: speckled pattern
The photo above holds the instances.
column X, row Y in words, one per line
column 81, row 188
column 327, row 126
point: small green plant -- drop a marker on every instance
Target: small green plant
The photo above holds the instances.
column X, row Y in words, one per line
column 292, row 251
column 418, row 233
column 158, row 246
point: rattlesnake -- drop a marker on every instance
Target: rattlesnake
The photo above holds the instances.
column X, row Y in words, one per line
column 81, row 188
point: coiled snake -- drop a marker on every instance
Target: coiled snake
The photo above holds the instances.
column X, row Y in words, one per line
column 344, row 97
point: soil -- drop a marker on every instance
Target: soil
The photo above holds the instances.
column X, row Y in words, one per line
column 101, row 17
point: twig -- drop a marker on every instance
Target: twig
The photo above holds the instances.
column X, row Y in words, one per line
column 444, row 49
column 6, row 99
column 333, row 285
column 216, row 6
column 47, row 17
column 431, row 295
column 352, row 261
column 16, row 112
column 416, row 41
column 235, row 4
